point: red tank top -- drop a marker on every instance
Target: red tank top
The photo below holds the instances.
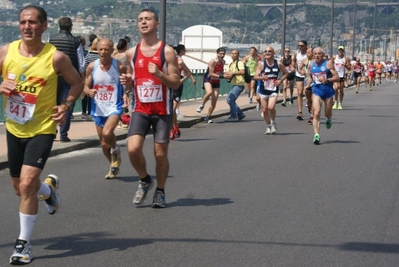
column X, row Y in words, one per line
column 218, row 69
column 151, row 96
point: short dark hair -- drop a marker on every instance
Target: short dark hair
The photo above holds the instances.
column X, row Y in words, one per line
column 122, row 43
column 179, row 48
column 154, row 14
column 65, row 23
column 92, row 37
column 41, row 13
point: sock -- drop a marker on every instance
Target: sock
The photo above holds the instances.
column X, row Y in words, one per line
column 115, row 150
column 271, row 122
column 177, row 111
column 146, row 179
column 44, row 190
column 27, row 222
column 161, row 190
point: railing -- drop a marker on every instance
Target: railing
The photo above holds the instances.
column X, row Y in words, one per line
column 190, row 91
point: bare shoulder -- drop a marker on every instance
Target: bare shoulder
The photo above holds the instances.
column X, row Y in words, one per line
column 3, row 53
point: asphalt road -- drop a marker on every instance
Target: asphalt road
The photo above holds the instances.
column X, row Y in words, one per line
column 235, row 197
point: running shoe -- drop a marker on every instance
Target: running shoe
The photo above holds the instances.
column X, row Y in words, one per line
column 142, row 191
column 240, row 118
column 357, row 91
column 158, row 200
column 339, row 106
column 291, row 101
column 53, row 202
column 284, row 103
column 316, row 139
column 200, row 108
column 262, row 115
column 328, row 123
column 22, row 253
column 335, row 106
column 207, row 119
column 310, row 120
column 110, row 175
column 268, row 130
column 250, row 101
column 231, row 119
column 299, row 116
column 273, row 128
column 258, row 107
column 176, row 132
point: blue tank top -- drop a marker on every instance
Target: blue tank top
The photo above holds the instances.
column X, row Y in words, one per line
column 269, row 87
column 320, row 71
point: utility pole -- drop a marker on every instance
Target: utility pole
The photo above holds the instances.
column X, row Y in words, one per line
column 354, row 31
column 372, row 47
column 162, row 20
column 284, row 27
column 332, row 28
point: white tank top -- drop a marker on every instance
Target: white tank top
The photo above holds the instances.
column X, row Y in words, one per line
column 339, row 65
column 299, row 58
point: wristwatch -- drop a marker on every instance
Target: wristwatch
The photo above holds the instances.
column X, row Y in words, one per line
column 68, row 104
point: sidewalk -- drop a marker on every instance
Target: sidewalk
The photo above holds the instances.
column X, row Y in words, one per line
column 83, row 133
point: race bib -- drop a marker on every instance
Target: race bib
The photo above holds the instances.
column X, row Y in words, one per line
column 104, row 98
column 316, row 76
column 20, row 106
column 148, row 92
column 270, row 84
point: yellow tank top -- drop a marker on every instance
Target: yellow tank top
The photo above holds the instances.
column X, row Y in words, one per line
column 28, row 109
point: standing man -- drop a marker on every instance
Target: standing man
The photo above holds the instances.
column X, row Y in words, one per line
column 153, row 67
column 299, row 78
column 70, row 45
column 250, row 61
column 212, row 78
column 341, row 63
column 235, row 74
column 267, row 72
column 106, row 92
column 323, row 74
column 30, row 71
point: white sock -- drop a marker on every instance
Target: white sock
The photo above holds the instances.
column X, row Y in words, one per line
column 177, row 111
column 115, row 150
column 27, row 222
column 44, row 190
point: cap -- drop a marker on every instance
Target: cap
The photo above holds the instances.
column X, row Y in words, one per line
column 304, row 42
column 341, row 47
column 221, row 49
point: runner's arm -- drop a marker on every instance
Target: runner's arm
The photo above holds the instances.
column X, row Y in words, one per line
column 258, row 71
column 170, row 79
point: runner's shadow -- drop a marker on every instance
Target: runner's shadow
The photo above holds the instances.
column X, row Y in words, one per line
column 190, row 202
column 340, row 142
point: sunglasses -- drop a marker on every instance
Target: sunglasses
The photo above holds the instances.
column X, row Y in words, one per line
column 268, row 51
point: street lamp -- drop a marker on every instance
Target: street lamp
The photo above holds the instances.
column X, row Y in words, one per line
column 372, row 47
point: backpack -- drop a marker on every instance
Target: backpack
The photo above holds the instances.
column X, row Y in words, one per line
column 247, row 75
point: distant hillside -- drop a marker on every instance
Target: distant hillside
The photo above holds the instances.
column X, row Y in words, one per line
column 239, row 25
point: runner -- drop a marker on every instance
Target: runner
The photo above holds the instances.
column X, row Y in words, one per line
column 267, row 72
column 30, row 72
column 153, row 67
column 395, row 70
column 379, row 69
column 299, row 78
column 388, row 73
column 357, row 73
column 185, row 73
column 323, row 74
column 341, row 63
column 289, row 82
column 304, row 70
column 371, row 71
column 106, row 92
column 212, row 78
column 250, row 61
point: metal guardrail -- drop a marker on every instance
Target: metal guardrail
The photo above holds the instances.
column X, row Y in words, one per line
column 190, row 91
